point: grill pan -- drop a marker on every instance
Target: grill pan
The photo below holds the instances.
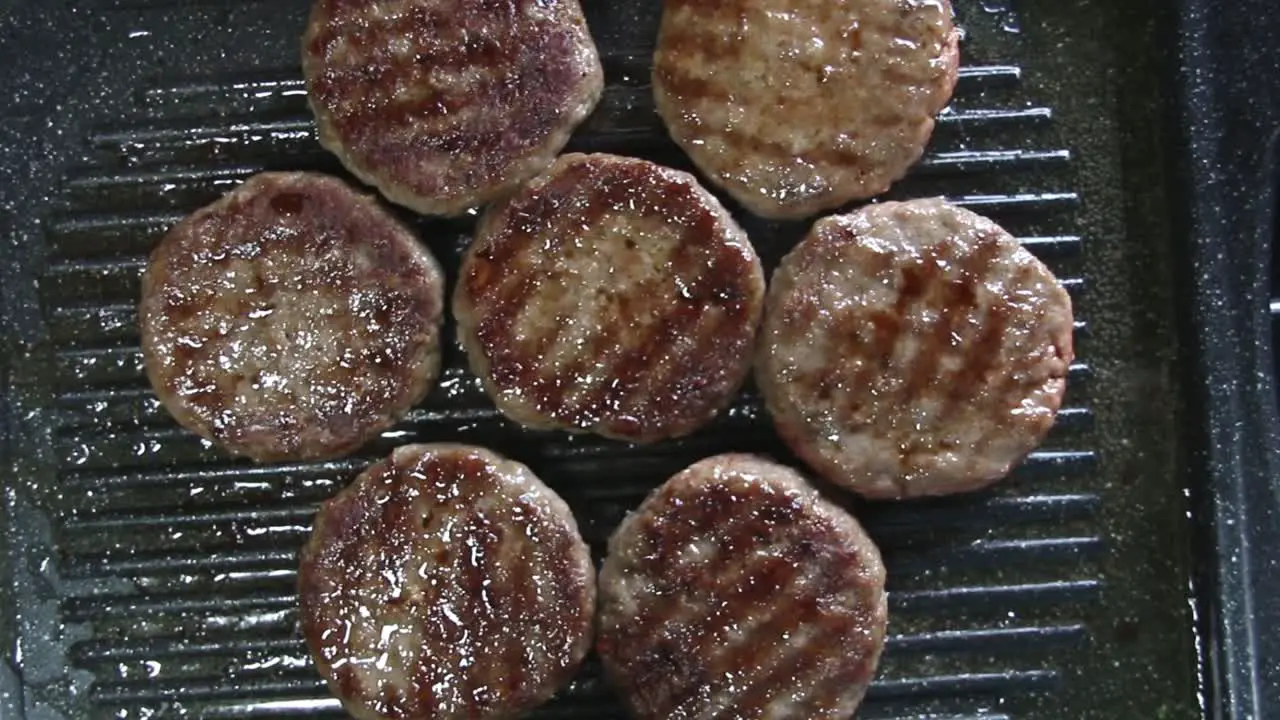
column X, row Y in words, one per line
column 148, row 575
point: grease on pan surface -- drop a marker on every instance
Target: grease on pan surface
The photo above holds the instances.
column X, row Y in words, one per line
column 172, row 565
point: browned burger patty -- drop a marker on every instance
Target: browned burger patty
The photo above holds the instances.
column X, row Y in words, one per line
column 610, row 295
column 292, row 319
column 445, row 105
column 738, row 591
column 797, row 106
column 446, row 582
column 913, row 349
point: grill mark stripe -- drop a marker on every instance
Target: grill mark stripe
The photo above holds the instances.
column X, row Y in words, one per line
column 717, row 316
column 645, row 397
column 681, row 263
column 444, row 51
column 582, row 405
column 759, row 662
column 626, row 380
column 664, row 543
column 396, row 535
column 680, row 85
column 799, row 656
column 470, row 594
column 741, row 530
column 521, row 586
column 495, row 326
column 632, row 366
column 1014, row 344
column 499, row 303
column 742, row 607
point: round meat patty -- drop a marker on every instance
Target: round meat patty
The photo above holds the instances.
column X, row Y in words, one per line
column 293, row 319
column 738, row 591
column 610, row 295
column 446, row 582
column 797, row 106
column 444, row 105
column 913, row 349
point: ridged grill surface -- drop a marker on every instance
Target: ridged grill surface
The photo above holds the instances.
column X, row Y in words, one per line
column 180, row 562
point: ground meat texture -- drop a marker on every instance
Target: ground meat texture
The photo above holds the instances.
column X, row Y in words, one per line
column 446, row 582
column 611, row 295
column 913, row 349
column 445, row 105
column 738, row 591
column 798, row 106
column 294, row 319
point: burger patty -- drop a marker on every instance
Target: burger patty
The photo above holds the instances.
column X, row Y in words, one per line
column 446, row 582
column 611, row 295
column 798, row 106
column 292, row 319
column 444, row 105
column 738, row 591
column 913, row 349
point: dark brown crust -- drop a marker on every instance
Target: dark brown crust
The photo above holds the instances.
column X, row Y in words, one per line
column 737, row 590
column 610, row 295
column 474, row 564
column 799, row 106
column 445, row 105
column 292, row 319
column 913, row 349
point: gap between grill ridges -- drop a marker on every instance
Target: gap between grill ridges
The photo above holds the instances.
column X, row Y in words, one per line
column 85, row 609
column 1078, row 460
column 290, row 78
column 134, row 264
column 303, row 127
column 274, row 561
column 163, row 218
column 932, row 161
column 969, row 640
column 974, row 683
column 289, row 81
column 991, row 158
column 1073, row 417
column 945, row 598
column 1078, row 372
column 243, row 708
column 881, row 689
